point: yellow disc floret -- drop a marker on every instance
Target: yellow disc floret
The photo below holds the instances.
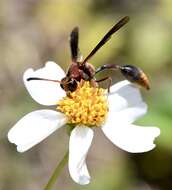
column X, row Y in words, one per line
column 87, row 105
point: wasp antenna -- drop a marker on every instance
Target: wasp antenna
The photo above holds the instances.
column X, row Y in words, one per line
column 107, row 36
column 36, row 78
column 74, row 38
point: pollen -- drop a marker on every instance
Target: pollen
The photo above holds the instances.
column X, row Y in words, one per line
column 87, row 105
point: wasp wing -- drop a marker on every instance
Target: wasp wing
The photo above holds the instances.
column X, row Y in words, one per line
column 107, row 36
column 74, row 40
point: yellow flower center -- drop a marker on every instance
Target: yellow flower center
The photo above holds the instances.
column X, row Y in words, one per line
column 87, row 105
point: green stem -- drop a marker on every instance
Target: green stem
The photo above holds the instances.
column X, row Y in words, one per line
column 57, row 172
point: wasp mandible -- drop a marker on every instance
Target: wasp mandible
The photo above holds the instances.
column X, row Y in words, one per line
column 80, row 70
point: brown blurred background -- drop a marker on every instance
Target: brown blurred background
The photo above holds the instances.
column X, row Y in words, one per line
column 34, row 31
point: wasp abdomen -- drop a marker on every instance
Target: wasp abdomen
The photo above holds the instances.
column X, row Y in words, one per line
column 135, row 75
column 144, row 81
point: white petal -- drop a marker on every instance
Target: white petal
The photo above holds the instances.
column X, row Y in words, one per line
column 45, row 92
column 34, row 127
column 80, row 141
column 128, row 115
column 131, row 138
column 123, row 95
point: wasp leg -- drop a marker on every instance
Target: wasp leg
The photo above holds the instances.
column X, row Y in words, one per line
column 93, row 83
column 82, row 82
column 109, row 83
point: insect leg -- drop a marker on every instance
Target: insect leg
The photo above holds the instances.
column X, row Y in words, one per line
column 109, row 83
column 93, row 83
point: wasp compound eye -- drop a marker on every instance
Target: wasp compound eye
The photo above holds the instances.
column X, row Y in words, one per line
column 135, row 75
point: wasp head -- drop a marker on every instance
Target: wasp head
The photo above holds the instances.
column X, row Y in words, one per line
column 68, row 84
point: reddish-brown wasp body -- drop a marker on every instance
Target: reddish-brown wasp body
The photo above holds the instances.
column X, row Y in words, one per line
column 80, row 70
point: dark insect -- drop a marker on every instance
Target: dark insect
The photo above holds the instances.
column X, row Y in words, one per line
column 81, row 70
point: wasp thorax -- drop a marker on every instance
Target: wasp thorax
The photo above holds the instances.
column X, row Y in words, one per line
column 87, row 105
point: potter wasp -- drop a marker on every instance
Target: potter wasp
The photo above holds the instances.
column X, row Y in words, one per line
column 80, row 70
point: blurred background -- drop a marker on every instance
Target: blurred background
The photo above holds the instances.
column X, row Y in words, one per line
column 35, row 31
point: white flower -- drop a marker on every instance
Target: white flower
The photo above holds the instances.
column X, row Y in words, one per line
column 125, row 106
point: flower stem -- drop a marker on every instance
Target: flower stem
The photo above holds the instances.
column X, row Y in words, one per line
column 57, row 172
